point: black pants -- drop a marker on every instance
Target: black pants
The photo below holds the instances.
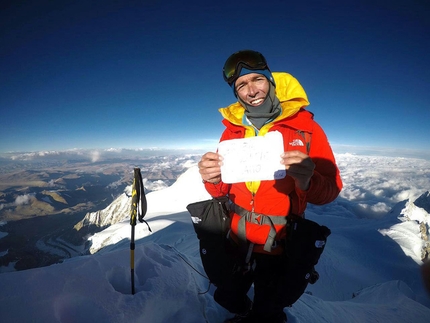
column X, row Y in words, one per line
column 277, row 283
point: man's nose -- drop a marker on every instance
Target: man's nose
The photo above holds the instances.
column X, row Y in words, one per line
column 252, row 90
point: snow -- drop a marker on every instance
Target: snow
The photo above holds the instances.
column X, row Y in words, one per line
column 369, row 271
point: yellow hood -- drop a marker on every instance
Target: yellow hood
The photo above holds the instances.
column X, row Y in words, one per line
column 289, row 92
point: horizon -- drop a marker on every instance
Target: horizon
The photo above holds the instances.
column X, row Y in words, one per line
column 80, row 74
column 97, row 153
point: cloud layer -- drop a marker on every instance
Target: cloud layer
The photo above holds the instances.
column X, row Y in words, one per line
column 374, row 184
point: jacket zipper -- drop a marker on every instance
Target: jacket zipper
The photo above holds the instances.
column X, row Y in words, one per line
column 252, row 202
column 251, row 245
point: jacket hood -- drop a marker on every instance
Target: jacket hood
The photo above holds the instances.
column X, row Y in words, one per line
column 289, row 92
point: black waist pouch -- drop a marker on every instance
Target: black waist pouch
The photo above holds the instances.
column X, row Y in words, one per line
column 305, row 241
column 211, row 222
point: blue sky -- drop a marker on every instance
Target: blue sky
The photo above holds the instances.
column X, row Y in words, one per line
column 138, row 74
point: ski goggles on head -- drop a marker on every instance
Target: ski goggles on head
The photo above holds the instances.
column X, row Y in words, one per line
column 248, row 59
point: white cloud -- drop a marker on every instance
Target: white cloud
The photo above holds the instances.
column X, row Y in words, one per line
column 381, row 151
column 155, row 185
column 114, row 184
column 381, row 208
column 95, row 156
column 372, row 179
column 23, row 199
column 375, row 184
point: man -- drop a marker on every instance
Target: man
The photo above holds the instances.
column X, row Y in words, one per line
column 268, row 102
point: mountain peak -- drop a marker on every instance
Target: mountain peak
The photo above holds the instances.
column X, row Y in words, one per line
column 424, row 201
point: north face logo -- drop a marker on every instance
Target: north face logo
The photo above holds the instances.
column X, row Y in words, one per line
column 296, row 142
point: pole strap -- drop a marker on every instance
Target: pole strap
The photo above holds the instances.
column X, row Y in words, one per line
column 139, row 205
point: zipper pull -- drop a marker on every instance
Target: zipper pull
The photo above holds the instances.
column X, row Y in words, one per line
column 252, row 203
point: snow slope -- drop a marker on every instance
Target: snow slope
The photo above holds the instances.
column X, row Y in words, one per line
column 369, row 271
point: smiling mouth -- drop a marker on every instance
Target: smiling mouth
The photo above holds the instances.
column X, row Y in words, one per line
column 256, row 102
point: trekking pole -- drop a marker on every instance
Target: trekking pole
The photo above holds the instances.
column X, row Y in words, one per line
column 137, row 199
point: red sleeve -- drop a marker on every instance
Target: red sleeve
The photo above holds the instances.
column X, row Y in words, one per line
column 217, row 190
column 326, row 182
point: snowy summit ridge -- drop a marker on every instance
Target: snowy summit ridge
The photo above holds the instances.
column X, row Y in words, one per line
column 115, row 212
column 415, row 225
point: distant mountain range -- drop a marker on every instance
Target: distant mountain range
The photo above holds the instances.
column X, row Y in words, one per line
column 46, row 197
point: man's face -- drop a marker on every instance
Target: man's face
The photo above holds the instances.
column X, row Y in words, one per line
column 252, row 88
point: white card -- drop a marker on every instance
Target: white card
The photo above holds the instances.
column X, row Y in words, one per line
column 252, row 159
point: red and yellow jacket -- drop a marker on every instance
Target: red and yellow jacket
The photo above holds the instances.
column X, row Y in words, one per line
column 280, row 197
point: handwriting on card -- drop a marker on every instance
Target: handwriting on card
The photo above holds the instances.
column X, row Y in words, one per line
column 252, row 159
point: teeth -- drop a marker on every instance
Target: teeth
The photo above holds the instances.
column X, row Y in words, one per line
column 258, row 101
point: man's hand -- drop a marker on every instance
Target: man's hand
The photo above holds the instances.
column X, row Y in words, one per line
column 210, row 167
column 299, row 166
